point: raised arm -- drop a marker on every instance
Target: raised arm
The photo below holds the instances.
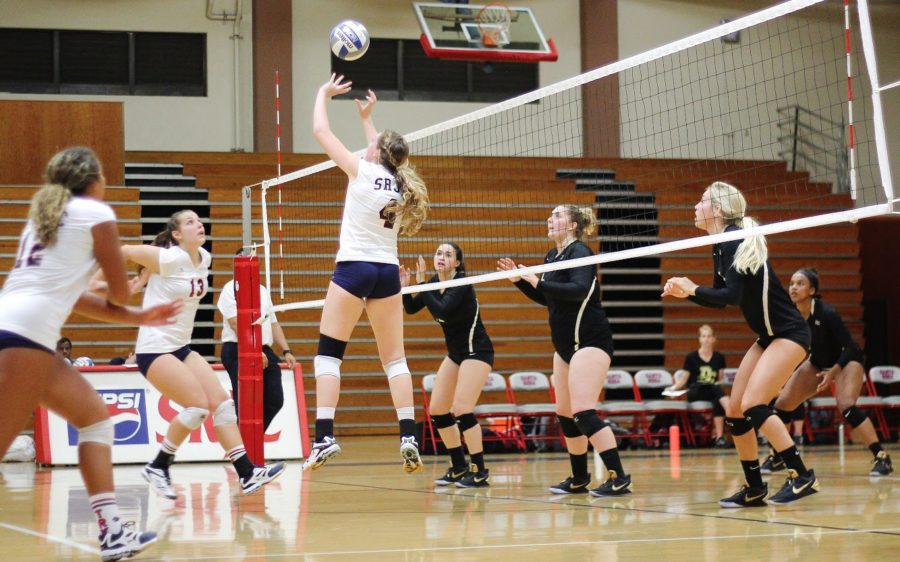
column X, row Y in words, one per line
column 112, row 263
column 333, row 147
column 365, row 114
column 143, row 254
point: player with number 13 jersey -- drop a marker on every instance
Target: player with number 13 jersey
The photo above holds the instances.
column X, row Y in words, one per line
column 178, row 278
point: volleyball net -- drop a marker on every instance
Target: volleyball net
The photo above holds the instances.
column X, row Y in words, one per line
column 783, row 103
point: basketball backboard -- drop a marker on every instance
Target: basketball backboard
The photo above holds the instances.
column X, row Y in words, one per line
column 491, row 32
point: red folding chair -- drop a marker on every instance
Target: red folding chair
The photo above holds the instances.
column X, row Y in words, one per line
column 622, row 403
column 533, row 384
column 498, row 407
column 652, row 382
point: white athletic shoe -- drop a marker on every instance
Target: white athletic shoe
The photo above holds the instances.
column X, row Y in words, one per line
column 159, row 480
column 321, row 452
column 409, row 450
column 124, row 544
column 261, row 476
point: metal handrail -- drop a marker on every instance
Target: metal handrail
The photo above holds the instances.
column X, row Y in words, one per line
column 806, row 139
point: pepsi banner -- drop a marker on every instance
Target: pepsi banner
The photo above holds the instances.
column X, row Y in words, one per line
column 141, row 417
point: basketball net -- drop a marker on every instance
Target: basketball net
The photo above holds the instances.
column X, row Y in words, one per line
column 493, row 23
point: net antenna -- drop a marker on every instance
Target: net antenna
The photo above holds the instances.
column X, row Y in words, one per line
column 493, row 22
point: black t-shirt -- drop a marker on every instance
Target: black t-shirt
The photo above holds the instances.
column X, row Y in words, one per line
column 456, row 310
column 766, row 306
column 703, row 372
column 831, row 342
column 572, row 297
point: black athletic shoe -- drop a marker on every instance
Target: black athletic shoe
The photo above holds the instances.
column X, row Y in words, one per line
column 882, row 465
column 771, row 464
column 571, row 485
column 747, row 497
column 475, row 479
column 452, row 476
column 796, row 487
column 614, row 486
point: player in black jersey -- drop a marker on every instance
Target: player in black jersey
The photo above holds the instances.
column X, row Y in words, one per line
column 462, row 374
column 835, row 358
column 701, row 374
column 743, row 276
column 584, row 348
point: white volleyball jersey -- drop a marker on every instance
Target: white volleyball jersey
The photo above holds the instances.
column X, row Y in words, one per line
column 178, row 277
column 45, row 283
column 227, row 305
column 366, row 235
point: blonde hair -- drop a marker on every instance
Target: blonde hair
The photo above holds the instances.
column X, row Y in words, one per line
column 583, row 217
column 412, row 207
column 753, row 251
column 70, row 172
column 706, row 327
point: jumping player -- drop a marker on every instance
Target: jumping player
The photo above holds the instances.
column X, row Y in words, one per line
column 385, row 197
column 463, row 372
column 584, row 348
column 744, row 277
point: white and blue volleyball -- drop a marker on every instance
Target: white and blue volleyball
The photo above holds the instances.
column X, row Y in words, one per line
column 349, row 40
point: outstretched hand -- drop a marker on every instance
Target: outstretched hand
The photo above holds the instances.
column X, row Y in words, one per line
column 506, row 264
column 161, row 314
column 679, row 287
column 365, row 109
column 335, row 86
column 421, row 270
column 404, row 276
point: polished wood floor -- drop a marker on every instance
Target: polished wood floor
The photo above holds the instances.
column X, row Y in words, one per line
column 362, row 507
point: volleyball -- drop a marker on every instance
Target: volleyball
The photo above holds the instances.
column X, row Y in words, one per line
column 349, row 40
column 83, row 362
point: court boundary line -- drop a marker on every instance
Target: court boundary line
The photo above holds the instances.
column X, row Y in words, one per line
column 51, row 538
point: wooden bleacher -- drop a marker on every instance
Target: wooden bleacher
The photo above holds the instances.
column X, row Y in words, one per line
column 518, row 327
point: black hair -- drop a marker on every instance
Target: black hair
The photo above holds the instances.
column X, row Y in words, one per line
column 813, row 276
column 461, row 268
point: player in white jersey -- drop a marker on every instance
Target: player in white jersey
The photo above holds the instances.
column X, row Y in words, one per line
column 273, row 392
column 177, row 266
column 69, row 232
column 385, row 197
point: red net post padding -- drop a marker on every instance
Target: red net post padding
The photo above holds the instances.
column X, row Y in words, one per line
column 250, row 386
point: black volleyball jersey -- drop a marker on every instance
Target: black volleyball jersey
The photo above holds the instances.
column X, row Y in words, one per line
column 572, row 297
column 458, row 313
column 766, row 306
column 703, row 372
column 831, row 342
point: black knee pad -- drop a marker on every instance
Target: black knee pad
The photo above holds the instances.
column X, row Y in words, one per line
column 784, row 415
column 855, row 416
column 738, row 426
column 569, row 428
column 589, row 422
column 466, row 421
column 331, row 347
column 799, row 413
column 442, row 421
column 757, row 415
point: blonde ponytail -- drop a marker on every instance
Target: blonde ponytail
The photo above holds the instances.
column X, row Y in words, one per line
column 69, row 172
column 584, row 219
column 753, row 250
column 412, row 207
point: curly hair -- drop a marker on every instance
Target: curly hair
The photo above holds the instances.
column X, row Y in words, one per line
column 412, row 207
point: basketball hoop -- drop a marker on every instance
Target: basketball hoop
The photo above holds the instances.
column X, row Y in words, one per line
column 493, row 23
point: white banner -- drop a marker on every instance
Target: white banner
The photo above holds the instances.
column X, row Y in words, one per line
column 141, row 416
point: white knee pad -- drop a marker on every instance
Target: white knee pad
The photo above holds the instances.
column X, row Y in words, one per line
column 192, row 417
column 396, row 368
column 101, row 432
column 225, row 413
column 324, row 365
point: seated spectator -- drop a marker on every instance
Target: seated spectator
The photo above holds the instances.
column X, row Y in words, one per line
column 702, row 371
